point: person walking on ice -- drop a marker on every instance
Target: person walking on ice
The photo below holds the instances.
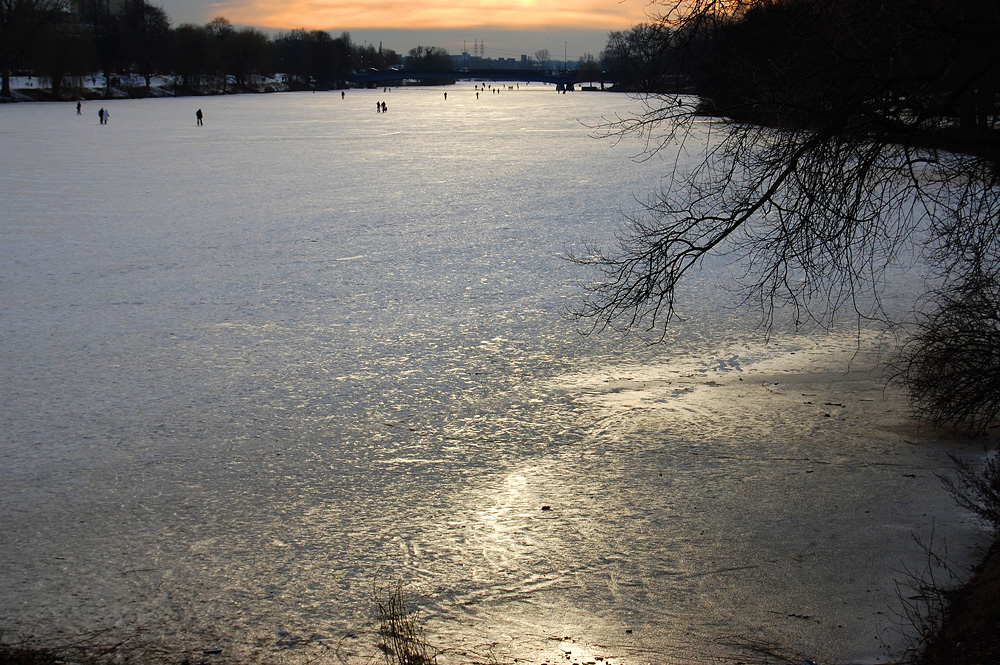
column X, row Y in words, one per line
column 199, row 115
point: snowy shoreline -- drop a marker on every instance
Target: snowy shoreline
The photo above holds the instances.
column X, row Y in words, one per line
column 94, row 88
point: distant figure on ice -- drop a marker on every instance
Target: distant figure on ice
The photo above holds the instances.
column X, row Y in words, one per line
column 107, row 116
column 341, row 94
column 100, row 115
column 446, row 96
column 200, row 117
column 378, row 107
column 78, row 109
column 384, row 110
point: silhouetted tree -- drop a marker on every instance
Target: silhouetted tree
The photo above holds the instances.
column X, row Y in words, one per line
column 542, row 58
column 147, row 31
column 370, row 57
column 65, row 50
column 385, row 58
column 951, row 364
column 220, row 29
column 345, row 57
column 290, row 54
column 22, row 23
column 108, row 37
column 430, row 59
column 639, row 59
column 248, row 55
column 190, row 47
column 324, row 66
column 315, row 58
column 851, row 136
column 588, row 69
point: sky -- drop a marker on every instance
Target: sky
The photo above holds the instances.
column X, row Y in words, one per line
column 507, row 28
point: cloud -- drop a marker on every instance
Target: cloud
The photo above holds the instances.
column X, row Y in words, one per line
column 432, row 14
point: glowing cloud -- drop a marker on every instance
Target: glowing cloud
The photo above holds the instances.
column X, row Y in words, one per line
column 432, row 14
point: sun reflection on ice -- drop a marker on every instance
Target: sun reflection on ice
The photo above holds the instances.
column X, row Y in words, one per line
column 532, row 529
column 505, row 525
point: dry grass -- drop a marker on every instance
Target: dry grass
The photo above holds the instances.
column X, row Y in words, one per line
column 27, row 655
column 88, row 649
column 402, row 637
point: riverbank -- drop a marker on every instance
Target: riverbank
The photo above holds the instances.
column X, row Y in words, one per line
column 850, row 408
column 971, row 630
column 970, row 633
column 95, row 88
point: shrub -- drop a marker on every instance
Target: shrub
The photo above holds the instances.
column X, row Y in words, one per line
column 977, row 488
column 403, row 641
column 951, row 366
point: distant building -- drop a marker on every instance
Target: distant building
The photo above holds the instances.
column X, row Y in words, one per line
column 471, row 61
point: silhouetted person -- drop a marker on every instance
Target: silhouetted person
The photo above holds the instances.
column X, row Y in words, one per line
column 200, row 117
column 78, row 109
column 446, row 95
column 378, row 107
column 100, row 114
column 341, row 94
column 384, row 110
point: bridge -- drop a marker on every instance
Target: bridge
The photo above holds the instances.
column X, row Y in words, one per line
column 526, row 75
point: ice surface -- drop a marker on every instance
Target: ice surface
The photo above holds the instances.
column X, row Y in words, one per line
column 251, row 368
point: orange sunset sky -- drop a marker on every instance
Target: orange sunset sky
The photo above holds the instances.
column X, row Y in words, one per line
column 434, row 14
column 506, row 26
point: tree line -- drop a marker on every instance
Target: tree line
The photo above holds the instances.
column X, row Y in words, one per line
column 64, row 43
column 778, row 61
column 47, row 39
column 851, row 139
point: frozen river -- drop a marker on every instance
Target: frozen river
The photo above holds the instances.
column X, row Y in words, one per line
column 251, row 369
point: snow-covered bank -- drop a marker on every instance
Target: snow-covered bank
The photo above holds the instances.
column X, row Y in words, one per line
column 97, row 87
